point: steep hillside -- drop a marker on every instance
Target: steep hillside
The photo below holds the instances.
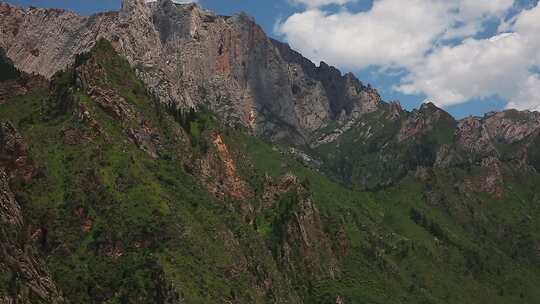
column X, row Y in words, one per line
column 126, row 200
column 164, row 154
column 108, row 204
column 381, row 147
column 191, row 58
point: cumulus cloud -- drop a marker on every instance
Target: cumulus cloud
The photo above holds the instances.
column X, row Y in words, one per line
column 390, row 33
column 480, row 68
column 474, row 68
column 434, row 41
column 467, row 17
column 319, row 3
column 528, row 97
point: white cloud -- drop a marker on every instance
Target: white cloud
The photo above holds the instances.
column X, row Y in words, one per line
column 390, row 33
column 475, row 68
column 528, row 97
column 414, row 36
column 480, row 68
column 468, row 16
column 528, row 25
column 319, row 3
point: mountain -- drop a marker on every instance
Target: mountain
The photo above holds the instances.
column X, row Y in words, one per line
column 176, row 48
column 165, row 154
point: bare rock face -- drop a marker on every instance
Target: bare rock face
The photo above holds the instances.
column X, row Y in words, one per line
column 44, row 41
column 504, row 136
column 473, row 136
column 482, row 134
column 422, row 121
column 11, row 18
column 190, row 57
column 218, row 171
column 511, row 126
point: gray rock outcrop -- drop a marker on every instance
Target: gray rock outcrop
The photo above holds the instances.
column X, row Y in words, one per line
column 190, row 57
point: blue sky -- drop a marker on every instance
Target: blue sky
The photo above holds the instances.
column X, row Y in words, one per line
column 467, row 56
column 265, row 12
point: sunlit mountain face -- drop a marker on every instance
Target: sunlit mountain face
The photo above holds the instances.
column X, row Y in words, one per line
column 454, row 56
column 298, row 152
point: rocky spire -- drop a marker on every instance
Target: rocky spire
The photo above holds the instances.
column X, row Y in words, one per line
column 134, row 9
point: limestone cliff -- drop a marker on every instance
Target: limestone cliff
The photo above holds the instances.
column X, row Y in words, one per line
column 190, row 57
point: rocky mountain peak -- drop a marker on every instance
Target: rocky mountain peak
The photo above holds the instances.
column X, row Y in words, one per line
column 134, row 9
column 125, row 159
column 190, row 57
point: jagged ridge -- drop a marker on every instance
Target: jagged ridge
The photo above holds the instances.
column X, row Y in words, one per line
column 191, row 57
column 178, row 206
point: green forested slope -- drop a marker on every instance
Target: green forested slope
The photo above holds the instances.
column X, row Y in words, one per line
column 123, row 208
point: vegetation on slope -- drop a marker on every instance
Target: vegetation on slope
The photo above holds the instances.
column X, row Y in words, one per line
column 121, row 225
column 407, row 249
column 371, row 155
